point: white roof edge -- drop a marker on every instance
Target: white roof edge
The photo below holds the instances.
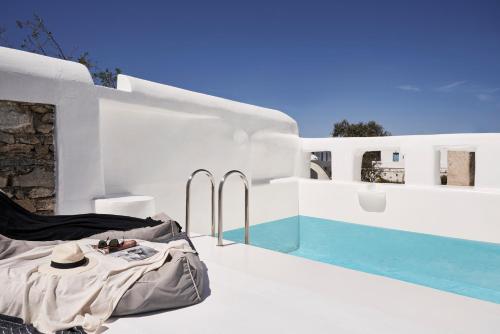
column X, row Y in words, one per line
column 161, row 91
column 35, row 65
column 456, row 136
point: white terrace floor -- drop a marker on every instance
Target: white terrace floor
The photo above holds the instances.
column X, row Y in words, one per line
column 254, row 290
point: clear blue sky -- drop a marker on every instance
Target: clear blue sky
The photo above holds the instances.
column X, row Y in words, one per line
column 414, row 66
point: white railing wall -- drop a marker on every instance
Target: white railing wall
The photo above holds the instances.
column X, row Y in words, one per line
column 422, row 155
column 422, row 204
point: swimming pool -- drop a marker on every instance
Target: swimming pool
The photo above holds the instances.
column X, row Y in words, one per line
column 468, row 268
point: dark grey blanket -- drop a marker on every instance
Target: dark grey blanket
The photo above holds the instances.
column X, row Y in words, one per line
column 20, row 224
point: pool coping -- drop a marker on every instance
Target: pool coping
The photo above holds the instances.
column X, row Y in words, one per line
column 258, row 290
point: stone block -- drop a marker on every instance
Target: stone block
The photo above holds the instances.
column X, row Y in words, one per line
column 48, row 139
column 46, row 204
column 7, row 138
column 16, row 121
column 40, row 109
column 19, row 194
column 41, row 150
column 26, row 203
column 44, row 128
column 37, row 178
column 461, row 168
column 15, row 148
column 28, row 139
column 25, row 162
column 4, row 180
column 48, row 118
column 40, row 192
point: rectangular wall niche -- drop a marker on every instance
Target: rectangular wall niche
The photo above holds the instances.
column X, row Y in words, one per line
column 27, row 154
column 385, row 166
column 321, row 165
column 457, row 167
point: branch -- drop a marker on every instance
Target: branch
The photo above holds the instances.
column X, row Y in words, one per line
column 3, row 39
column 39, row 39
column 37, row 44
column 50, row 37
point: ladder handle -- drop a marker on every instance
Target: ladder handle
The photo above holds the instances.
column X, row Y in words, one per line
column 188, row 193
column 247, row 220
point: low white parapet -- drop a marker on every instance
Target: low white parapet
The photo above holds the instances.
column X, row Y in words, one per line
column 135, row 206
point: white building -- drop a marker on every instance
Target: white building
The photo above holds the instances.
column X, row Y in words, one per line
column 146, row 138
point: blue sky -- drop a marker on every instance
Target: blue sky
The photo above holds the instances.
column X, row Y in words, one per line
column 415, row 66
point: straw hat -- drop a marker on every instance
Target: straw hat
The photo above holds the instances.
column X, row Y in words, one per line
column 67, row 259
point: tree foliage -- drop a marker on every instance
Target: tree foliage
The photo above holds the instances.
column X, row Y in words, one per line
column 370, row 129
column 371, row 174
column 38, row 38
column 369, row 171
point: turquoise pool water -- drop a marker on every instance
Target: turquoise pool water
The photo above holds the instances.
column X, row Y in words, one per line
column 468, row 268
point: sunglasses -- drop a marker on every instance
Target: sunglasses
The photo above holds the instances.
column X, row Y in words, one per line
column 111, row 244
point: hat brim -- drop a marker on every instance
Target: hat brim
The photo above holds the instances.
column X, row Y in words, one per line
column 46, row 268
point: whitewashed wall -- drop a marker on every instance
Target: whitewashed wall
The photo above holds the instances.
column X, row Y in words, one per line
column 33, row 78
column 146, row 138
column 420, row 205
column 386, row 159
column 153, row 136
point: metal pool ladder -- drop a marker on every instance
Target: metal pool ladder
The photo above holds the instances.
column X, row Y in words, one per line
column 188, row 192
column 247, row 221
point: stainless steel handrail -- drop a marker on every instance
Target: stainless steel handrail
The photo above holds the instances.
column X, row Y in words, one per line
column 188, row 192
column 247, row 221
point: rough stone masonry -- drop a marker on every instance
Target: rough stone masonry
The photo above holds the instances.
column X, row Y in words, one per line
column 27, row 154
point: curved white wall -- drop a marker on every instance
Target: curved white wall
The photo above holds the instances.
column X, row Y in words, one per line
column 146, row 138
column 153, row 136
column 33, row 78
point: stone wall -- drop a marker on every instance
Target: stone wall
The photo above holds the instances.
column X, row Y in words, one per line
column 27, row 154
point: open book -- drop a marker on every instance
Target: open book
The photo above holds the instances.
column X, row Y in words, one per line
column 136, row 253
